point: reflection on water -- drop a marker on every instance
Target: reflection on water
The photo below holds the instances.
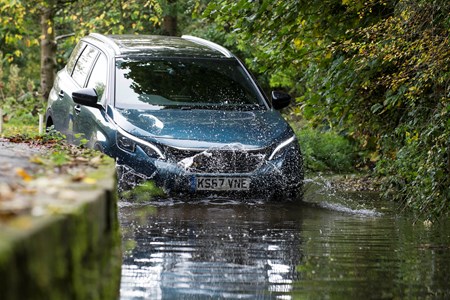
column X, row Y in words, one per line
column 233, row 251
column 230, row 250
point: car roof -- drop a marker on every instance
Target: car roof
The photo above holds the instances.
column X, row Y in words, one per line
column 161, row 46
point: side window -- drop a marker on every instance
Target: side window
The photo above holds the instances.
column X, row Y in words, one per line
column 97, row 80
column 73, row 57
column 83, row 65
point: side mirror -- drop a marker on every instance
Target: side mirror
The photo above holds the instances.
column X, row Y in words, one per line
column 87, row 97
column 280, row 99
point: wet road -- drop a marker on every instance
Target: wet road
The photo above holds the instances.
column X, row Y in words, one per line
column 331, row 247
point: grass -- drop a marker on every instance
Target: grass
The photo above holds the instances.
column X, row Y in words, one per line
column 29, row 128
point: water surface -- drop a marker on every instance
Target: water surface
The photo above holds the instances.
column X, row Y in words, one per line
column 331, row 246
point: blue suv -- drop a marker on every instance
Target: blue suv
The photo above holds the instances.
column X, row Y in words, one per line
column 181, row 111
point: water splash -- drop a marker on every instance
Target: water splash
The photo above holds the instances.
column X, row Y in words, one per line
column 348, row 210
column 231, row 158
column 128, row 178
column 186, row 163
column 320, row 192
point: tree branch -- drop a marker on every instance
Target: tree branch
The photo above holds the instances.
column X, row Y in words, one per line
column 64, row 36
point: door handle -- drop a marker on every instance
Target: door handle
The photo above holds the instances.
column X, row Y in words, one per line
column 77, row 109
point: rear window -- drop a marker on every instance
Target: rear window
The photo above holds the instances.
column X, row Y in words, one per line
column 84, row 64
column 73, row 57
column 188, row 83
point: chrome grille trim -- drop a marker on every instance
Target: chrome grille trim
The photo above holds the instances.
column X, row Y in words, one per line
column 220, row 161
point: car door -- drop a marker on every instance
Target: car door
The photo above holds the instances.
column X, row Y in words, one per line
column 60, row 103
column 79, row 76
column 64, row 109
column 90, row 123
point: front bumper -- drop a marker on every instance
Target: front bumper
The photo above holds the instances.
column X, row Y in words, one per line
column 280, row 178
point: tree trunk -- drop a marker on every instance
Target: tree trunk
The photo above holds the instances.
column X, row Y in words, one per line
column 169, row 25
column 48, row 48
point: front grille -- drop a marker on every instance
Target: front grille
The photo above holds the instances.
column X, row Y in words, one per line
column 225, row 160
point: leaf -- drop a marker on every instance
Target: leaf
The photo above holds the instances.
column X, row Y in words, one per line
column 376, row 107
column 90, row 180
column 22, row 173
column 37, row 160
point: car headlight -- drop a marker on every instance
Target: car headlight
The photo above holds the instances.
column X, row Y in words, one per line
column 129, row 142
column 277, row 151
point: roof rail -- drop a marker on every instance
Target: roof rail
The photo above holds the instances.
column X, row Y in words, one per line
column 210, row 44
column 105, row 39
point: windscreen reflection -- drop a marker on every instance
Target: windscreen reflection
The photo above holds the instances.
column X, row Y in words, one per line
column 145, row 83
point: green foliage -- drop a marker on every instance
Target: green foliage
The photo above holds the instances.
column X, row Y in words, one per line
column 19, row 35
column 80, row 140
column 18, row 96
column 417, row 172
column 21, row 127
column 377, row 70
column 285, row 36
column 143, row 192
column 326, row 151
column 404, row 100
column 18, row 127
column 59, row 159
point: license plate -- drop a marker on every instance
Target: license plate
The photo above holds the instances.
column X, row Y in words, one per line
column 222, row 184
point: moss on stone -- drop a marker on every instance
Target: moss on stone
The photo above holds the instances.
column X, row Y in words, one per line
column 73, row 254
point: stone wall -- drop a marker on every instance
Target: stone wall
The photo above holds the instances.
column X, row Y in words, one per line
column 68, row 245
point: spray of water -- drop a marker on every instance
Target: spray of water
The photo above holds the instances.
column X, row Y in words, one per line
column 320, row 192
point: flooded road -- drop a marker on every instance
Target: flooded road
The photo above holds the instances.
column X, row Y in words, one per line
column 332, row 246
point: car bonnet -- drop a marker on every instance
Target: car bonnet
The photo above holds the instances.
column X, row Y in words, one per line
column 203, row 128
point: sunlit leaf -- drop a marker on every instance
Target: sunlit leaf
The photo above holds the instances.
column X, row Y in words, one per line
column 23, row 174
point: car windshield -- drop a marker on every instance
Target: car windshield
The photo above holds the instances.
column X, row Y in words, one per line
column 148, row 83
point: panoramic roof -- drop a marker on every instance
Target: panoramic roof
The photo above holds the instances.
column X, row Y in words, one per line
column 162, row 46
